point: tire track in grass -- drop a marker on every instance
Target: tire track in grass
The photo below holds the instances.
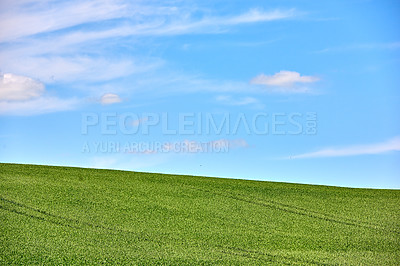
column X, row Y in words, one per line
column 298, row 210
column 281, row 259
column 328, row 216
column 239, row 251
column 253, row 254
column 35, row 217
column 250, row 256
column 224, row 249
column 69, row 220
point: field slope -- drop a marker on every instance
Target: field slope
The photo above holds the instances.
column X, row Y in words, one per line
column 64, row 215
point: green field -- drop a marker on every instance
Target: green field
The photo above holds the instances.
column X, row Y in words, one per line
column 64, row 215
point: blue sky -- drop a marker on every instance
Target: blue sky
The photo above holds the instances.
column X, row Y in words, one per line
column 106, row 83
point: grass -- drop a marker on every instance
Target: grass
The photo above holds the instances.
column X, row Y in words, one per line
column 64, row 215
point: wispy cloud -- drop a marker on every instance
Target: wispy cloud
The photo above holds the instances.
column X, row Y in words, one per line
column 229, row 100
column 178, row 82
column 284, row 82
column 209, row 24
column 376, row 148
column 54, row 40
column 22, row 20
column 26, row 18
column 61, row 68
column 240, row 101
column 38, row 106
column 258, row 15
column 362, row 47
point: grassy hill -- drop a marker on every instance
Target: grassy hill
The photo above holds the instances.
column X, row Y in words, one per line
column 64, row 215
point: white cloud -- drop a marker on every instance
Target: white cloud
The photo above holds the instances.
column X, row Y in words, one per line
column 283, row 79
column 17, row 88
column 285, row 82
column 377, row 148
column 110, row 98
